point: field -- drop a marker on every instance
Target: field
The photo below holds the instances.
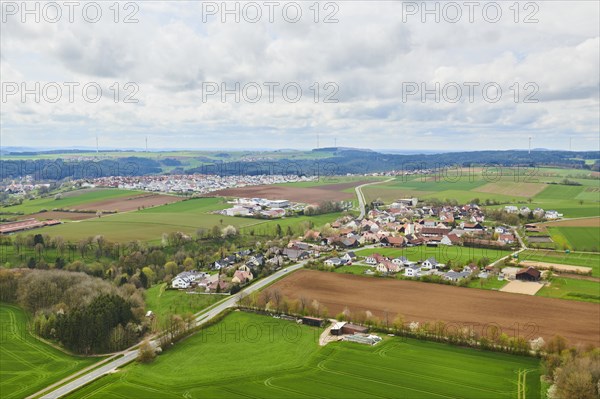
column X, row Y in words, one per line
column 166, row 302
column 573, row 289
column 578, row 238
column 27, row 364
column 79, row 198
column 573, row 258
column 499, row 185
column 442, row 253
column 282, row 359
column 579, row 322
column 185, row 216
column 308, row 193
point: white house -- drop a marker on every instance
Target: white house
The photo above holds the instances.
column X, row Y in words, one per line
column 180, row 283
column 333, row 262
column 511, row 209
column 412, row 271
column 456, row 276
column 553, row 214
column 431, row 263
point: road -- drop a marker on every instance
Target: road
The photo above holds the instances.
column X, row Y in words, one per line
column 203, row 317
column 361, row 196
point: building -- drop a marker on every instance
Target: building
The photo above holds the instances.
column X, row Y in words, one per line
column 528, row 274
column 336, row 329
column 350, row 328
column 313, row 321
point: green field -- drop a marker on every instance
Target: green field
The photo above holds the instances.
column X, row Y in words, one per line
column 28, row 365
column 166, row 302
column 69, row 199
column 247, row 355
column 574, row 289
column 585, row 239
column 185, row 216
column 467, row 185
column 441, row 253
column 353, row 269
column 573, row 258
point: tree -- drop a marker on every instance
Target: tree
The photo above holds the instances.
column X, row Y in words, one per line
column 574, row 380
column 278, row 230
column 146, row 353
column 99, row 213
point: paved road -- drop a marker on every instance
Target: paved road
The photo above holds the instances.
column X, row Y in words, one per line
column 361, row 196
column 202, row 318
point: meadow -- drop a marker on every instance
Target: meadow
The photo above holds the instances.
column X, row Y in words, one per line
column 165, row 302
column 185, row 216
column 572, row 289
column 573, row 258
column 499, row 185
column 441, row 253
column 26, row 363
column 247, row 355
column 585, row 239
column 69, row 199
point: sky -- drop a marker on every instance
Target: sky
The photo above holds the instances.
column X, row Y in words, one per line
column 378, row 74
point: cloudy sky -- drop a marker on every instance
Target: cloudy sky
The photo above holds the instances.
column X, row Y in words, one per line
column 377, row 74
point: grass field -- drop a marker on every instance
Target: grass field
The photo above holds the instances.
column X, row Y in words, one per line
column 166, row 302
column 247, row 355
column 585, row 239
column 70, row 199
column 353, row 269
column 441, row 253
column 186, row 216
column 465, row 186
column 573, row 258
column 27, row 364
column 574, row 289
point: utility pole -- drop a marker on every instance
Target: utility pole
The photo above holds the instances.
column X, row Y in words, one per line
column 96, row 144
column 529, row 145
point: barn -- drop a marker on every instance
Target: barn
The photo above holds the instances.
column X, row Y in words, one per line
column 313, row 321
column 528, row 274
column 349, row 328
column 336, row 329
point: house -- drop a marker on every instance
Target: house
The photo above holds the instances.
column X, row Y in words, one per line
column 244, row 268
column 511, row 209
column 456, row 276
column 333, row 262
column 393, row 241
column 180, row 283
column 528, row 274
column 218, row 285
column 552, row 214
column 412, row 271
column 472, row 227
column 524, row 211
column 386, row 266
column 538, row 213
column 506, row 238
column 295, row 254
column 349, row 257
column 257, row 260
column 242, row 277
column 431, row 263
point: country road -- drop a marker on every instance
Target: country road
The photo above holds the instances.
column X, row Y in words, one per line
column 361, row 196
column 131, row 354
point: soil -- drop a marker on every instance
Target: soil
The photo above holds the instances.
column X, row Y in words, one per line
column 519, row 315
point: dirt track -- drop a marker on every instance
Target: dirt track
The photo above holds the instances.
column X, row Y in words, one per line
column 124, row 204
column 587, row 222
column 310, row 195
column 579, row 322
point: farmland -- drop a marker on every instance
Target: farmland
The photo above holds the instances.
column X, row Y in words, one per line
column 573, row 289
column 27, row 364
column 573, row 258
column 498, row 185
column 281, row 362
column 185, row 216
column 578, row 238
column 443, row 253
column 416, row 301
column 167, row 302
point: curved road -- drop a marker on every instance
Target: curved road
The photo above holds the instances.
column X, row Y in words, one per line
column 361, row 196
column 131, row 353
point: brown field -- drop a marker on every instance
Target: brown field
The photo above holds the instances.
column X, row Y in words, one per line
column 587, row 222
column 132, row 203
column 578, row 322
column 556, row 266
column 60, row 215
column 520, row 189
column 310, row 195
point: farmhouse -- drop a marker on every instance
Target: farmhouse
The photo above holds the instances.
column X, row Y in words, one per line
column 528, row 274
column 393, row 241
